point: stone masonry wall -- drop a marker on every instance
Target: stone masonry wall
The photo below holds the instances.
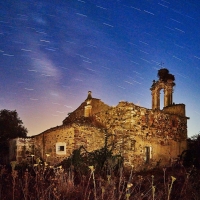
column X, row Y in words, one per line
column 21, row 148
column 97, row 106
column 178, row 109
column 135, row 128
column 91, row 138
column 45, row 143
column 74, row 136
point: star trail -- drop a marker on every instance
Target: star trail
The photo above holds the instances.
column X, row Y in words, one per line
column 53, row 52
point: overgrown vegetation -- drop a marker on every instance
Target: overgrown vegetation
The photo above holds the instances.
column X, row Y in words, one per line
column 55, row 183
column 102, row 159
column 192, row 155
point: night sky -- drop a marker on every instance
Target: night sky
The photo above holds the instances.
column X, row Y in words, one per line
column 53, row 52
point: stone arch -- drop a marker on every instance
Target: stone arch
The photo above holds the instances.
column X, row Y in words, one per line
column 165, row 82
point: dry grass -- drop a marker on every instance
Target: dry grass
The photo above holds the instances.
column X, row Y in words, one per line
column 48, row 183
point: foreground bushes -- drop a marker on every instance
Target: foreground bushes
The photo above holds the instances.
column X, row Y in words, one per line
column 47, row 183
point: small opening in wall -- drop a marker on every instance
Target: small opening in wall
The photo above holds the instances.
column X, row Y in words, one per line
column 61, row 148
column 148, row 151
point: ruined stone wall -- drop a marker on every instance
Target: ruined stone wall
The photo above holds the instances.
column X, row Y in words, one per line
column 45, row 143
column 21, row 148
column 74, row 136
column 97, row 106
column 134, row 129
column 75, row 114
column 177, row 109
column 142, row 136
column 91, row 138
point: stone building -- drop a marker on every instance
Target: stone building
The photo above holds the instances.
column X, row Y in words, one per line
column 142, row 136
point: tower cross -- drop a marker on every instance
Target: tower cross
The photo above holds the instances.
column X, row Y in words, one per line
column 161, row 64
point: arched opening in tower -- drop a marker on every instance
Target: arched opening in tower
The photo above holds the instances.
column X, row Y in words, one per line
column 161, row 99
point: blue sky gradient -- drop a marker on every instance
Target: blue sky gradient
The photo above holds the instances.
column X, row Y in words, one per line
column 53, row 52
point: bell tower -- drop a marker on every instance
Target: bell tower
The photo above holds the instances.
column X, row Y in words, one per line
column 165, row 82
column 88, row 107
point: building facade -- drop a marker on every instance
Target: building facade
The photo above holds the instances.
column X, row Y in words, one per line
column 142, row 136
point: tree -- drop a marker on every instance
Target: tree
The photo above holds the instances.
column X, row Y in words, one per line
column 11, row 126
column 191, row 156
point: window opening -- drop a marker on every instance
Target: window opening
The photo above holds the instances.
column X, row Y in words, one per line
column 148, row 151
column 61, row 148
